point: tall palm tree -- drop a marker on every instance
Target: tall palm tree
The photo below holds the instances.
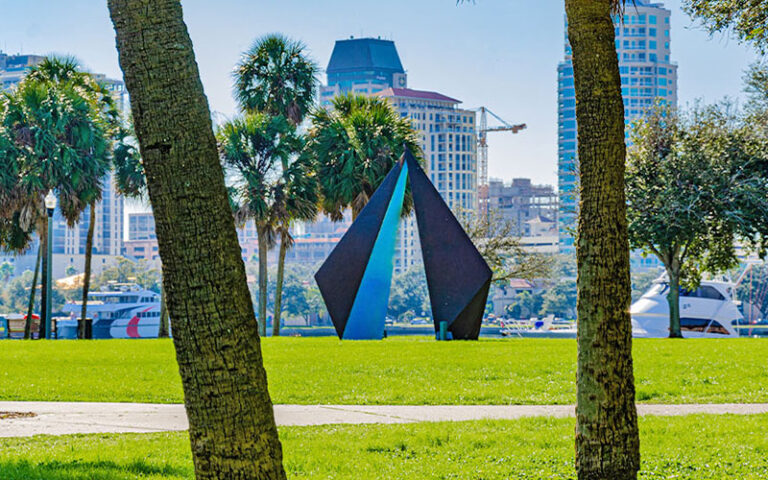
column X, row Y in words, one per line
column 231, row 421
column 607, row 442
column 297, row 199
column 259, row 148
column 65, row 72
column 354, row 145
column 60, row 120
column 276, row 77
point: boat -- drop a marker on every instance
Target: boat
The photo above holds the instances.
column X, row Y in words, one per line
column 118, row 310
column 707, row 312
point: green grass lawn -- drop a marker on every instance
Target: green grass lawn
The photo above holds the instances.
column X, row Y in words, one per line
column 398, row 370
column 693, row 447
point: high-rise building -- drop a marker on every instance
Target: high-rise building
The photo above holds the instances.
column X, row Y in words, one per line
column 449, row 143
column 362, row 65
column 647, row 76
column 69, row 242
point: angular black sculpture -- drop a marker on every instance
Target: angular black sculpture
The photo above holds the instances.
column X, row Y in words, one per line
column 457, row 276
column 356, row 277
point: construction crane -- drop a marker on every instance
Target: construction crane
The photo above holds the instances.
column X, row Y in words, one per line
column 482, row 151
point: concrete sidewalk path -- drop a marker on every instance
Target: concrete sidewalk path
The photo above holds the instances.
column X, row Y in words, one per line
column 61, row 418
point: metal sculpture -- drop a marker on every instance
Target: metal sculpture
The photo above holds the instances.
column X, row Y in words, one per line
column 356, row 277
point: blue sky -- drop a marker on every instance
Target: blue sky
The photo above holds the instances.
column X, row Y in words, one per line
column 499, row 53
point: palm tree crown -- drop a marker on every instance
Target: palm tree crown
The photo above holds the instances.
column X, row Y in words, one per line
column 277, row 78
column 355, row 145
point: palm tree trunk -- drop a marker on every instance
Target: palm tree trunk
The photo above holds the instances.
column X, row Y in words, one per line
column 279, row 286
column 44, row 289
column 164, row 331
column 262, row 236
column 87, row 270
column 31, row 306
column 231, row 422
column 607, row 442
column 673, row 299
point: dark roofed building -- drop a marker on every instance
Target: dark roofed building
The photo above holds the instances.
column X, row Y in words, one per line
column 362, row 65
column 358, row 55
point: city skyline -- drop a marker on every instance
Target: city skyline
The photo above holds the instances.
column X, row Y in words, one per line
column 516, row 47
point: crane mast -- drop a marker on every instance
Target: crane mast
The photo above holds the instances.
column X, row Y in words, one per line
column 482, row 152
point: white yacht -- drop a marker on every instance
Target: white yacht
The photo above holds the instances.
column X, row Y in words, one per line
column 119, row 311
column 707, row 312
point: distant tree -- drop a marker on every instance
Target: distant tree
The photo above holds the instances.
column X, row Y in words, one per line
column 560, row 299
column 642, row 281
column 409, row 293
column 16, row 293
column 526, row 304
column 753, row 292
column 355, row 144
column 316, row 302
column 6, row 271
column 128, row 271
column 694, row 186
column 296, row 291
column 493, row 236
column 748, row 20
column 756, row 81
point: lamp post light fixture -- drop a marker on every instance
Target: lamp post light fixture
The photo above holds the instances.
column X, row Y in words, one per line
column 50, row 206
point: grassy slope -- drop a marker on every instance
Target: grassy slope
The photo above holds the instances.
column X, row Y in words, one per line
column 398, row 370
column 694, row 447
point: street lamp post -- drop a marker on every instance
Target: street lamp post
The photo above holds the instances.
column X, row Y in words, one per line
column 50, row 206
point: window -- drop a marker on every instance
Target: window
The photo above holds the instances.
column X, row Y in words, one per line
column 652, row 19
column 694, row 324
column 716, row 327
column 704, row 291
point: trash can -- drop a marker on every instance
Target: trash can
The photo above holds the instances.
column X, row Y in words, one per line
column 66, row 329
column 85, row 327
column 4, row 332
